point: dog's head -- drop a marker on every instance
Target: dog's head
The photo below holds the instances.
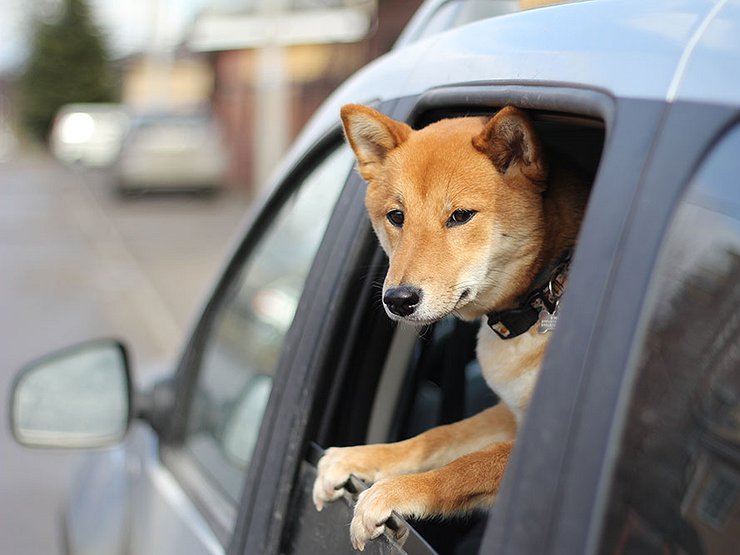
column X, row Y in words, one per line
column 457, row 206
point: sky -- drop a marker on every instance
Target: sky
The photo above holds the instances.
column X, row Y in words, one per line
column 129, row 24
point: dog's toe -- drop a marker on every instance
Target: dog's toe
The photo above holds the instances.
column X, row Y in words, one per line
column 371, row 514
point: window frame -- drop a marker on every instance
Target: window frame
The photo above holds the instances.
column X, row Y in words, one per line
column 220, row 513
column 259, row 530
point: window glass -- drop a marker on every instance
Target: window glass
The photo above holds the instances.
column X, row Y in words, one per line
column 244, row 344
column 676, row 487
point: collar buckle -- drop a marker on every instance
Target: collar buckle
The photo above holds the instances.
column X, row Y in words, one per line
column 540, row 305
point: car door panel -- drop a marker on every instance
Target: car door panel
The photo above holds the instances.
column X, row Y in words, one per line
column 125, row 502
column 577, row 401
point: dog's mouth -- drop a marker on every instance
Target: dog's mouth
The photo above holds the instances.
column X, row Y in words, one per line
column 462, row 300
column 423, row 318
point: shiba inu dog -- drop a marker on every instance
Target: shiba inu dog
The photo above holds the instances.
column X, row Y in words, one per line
column 477, row 222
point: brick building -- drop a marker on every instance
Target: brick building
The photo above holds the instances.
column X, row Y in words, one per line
column 272, row 68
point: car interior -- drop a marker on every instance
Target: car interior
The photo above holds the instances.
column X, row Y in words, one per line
column 388, row 382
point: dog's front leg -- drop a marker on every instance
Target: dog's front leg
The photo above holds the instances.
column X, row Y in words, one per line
column 469, row 482
column 431, row 449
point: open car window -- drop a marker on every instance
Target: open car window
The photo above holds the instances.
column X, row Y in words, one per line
column 393, row 382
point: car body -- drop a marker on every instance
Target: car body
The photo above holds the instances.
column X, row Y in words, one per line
column 632, row 439
column 171, row 151
column 89, row 134
column 435, row 16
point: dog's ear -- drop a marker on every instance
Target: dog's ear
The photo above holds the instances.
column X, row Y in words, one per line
column 511, row 142
column 372, row 136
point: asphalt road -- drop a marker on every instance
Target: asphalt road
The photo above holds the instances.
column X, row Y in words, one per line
column 78, row 262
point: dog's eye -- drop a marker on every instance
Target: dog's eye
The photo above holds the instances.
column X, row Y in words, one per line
column 460, row 217
column 395, row 217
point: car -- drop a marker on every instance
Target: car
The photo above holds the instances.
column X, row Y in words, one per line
column 632, row 440
column 171, row 152
column 89, row 134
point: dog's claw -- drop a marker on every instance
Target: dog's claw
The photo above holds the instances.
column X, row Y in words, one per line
column 371, row 514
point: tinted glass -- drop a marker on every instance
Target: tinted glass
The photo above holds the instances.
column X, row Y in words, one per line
column 677, row 482
column 242, row 351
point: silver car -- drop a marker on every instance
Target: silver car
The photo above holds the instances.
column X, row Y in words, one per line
column 172, row 152
column 632, row 442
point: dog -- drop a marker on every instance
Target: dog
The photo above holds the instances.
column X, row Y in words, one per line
column 477, row 222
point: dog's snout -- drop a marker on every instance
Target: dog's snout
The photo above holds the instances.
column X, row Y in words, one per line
column 402, row 300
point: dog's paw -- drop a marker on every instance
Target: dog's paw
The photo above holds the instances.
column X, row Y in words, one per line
column 334, row 470
column 373, row 509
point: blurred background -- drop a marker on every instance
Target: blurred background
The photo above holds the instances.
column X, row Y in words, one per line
column 133, row 136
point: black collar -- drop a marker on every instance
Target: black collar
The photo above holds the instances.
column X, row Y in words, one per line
column 544, row 295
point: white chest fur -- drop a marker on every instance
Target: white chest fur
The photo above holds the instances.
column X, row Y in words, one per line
column 511, row 366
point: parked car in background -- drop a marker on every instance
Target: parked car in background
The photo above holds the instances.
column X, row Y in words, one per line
column 173, row 152
column 89, row 134
column 632, row 441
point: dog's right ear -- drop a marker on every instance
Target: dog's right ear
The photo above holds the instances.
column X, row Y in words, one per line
column 372, row 136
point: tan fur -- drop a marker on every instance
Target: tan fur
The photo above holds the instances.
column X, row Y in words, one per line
column 527, row 211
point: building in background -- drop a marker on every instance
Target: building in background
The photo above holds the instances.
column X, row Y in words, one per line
column 180, row 82
column 274, row 65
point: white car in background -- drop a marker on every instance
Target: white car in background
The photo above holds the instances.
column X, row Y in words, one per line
column 171, row 152
column 89, row 134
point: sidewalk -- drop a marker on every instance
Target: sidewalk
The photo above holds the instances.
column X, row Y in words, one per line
column 77, row 262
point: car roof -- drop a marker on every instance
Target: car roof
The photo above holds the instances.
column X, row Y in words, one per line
column 660, row 50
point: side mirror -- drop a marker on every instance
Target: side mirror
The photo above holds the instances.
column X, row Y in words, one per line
column 76, row 398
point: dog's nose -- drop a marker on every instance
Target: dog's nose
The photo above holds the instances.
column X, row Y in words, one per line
column 402, row 300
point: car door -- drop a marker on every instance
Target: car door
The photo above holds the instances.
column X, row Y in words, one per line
column 227, row 374
column 564, row 482
column 675, row 486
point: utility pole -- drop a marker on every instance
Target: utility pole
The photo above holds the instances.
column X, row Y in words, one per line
column 159, row 57
column 272, row 115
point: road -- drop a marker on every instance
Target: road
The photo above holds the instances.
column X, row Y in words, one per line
column 77, row 262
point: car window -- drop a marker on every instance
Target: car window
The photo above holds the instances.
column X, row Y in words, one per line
column 245, row 339
column 392, row 382
column 676, row 487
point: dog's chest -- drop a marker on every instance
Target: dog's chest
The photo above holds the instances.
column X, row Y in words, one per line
column 511, row 366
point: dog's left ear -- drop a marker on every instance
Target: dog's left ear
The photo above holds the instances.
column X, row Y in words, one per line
column 511, row 142
column 372, row 136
